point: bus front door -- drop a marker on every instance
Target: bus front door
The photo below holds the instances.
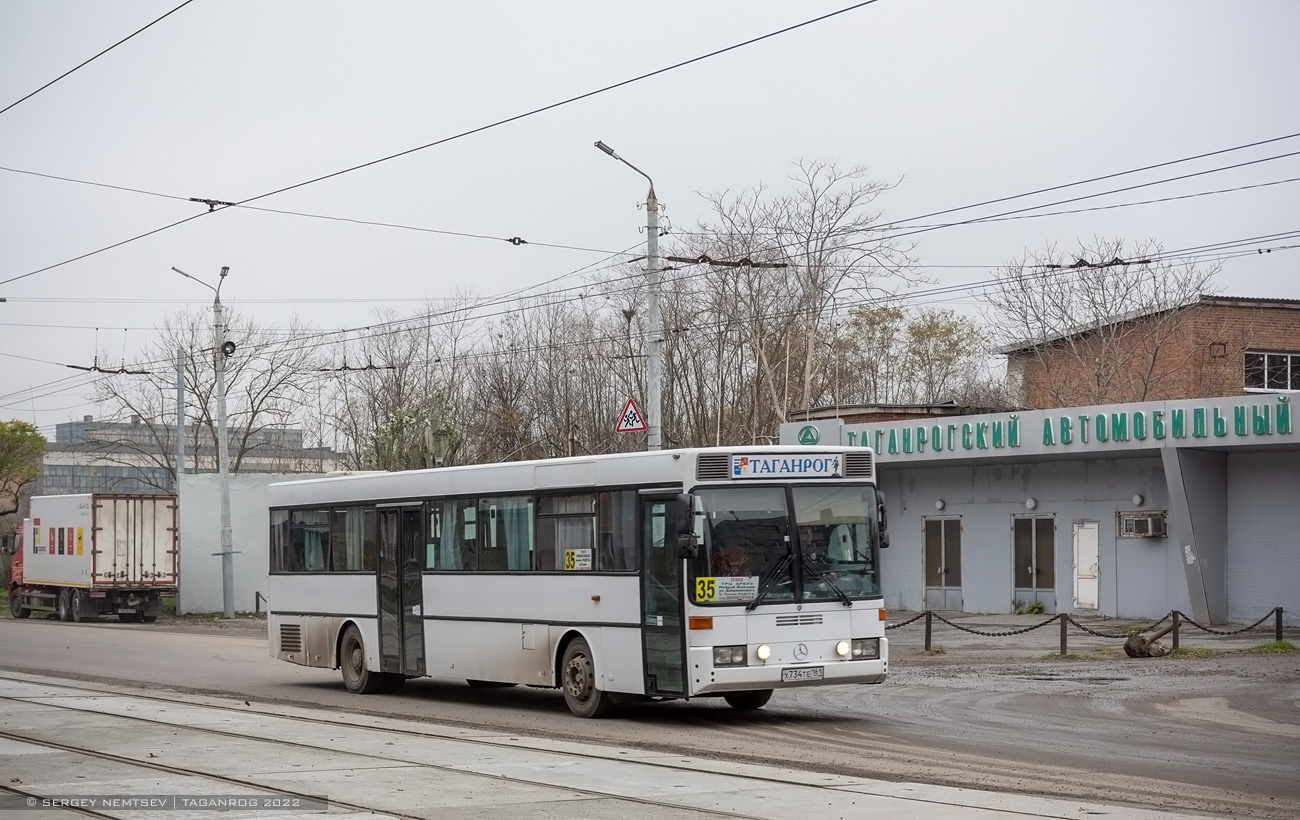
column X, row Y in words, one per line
column 401, row 594
column 661, row 591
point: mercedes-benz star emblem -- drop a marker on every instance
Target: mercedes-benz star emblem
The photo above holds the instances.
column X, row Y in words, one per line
column 800, row 652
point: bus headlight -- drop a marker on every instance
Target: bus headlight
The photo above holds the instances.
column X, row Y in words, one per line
column 842, row 648
column 764, row 652
column 728, row 656
column 866, row 649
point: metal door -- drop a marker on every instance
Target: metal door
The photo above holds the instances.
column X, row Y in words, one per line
column 661, row 596
column 943, row 563
column 1085, row 565
column 401, row 594
column 1033, row 540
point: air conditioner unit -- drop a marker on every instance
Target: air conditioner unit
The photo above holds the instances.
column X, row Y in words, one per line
column 1143, row 524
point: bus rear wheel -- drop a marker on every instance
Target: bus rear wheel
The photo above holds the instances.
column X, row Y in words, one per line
column 352, row 658
column 579, row 682
column 16, row 607
column 748, row 701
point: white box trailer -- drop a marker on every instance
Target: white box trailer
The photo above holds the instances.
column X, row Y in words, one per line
column 96, row 554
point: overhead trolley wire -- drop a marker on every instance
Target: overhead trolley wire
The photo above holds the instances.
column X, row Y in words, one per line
column 96, row 57
column 647, row 75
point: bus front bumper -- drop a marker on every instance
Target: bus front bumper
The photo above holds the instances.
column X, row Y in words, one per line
column 706, row 679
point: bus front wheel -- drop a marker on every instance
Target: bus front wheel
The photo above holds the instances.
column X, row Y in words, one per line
column 748, row 701
column 580, row 692
column 352, row 658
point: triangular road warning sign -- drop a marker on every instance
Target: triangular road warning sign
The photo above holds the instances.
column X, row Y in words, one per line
column 631, row 420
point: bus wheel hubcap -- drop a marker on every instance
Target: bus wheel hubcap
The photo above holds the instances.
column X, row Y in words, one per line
column 579, row 678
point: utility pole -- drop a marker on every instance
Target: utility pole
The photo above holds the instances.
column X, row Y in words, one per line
column 179, row 446
column 654, row 334
column 222, row 349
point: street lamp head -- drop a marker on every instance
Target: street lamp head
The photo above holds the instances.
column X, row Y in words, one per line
column 602, row 146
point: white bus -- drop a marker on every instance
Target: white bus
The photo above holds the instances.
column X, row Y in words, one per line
column 661, row 575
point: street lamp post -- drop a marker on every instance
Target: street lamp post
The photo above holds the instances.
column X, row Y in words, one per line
column 653, row 341
column 223, row 440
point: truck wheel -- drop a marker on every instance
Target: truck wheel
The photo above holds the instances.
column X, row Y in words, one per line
column 579, row 682
column 75, row 605
column 352, row 658
column 65, row 605
column 16, row 607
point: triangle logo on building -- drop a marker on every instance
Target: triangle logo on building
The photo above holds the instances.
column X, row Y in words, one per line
column 631, row 419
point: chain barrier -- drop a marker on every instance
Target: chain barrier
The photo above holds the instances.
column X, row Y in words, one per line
column 1052, row 619
column 913, row 619
column 1119, row 636
column 1066, row 619
column 1190, row 622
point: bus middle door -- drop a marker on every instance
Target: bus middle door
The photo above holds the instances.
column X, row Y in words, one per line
column 401, row 593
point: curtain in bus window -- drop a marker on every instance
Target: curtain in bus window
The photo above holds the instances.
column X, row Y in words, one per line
column 458, row 528
column 309, row 532
column 348, row 537
column 617, row 517
column 507, row 533
column 279, row 540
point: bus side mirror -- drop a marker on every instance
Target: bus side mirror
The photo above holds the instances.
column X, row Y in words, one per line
column 684, row 516
column 883, row 520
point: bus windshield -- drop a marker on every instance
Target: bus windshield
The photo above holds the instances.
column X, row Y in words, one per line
column 750, row 543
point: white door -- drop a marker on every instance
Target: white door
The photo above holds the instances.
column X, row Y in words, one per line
column 1085, row 565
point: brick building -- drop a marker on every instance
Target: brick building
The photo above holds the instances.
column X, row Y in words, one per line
column 1213, row 346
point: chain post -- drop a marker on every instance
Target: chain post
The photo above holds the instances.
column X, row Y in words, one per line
column 929, row 620
column 1065, row 622
column 1277, row 624
column 1178, row 618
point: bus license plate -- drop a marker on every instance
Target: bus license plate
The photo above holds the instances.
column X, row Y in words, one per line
column 802, row 673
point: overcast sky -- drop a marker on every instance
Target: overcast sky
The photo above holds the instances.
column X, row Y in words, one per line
column 961, row 101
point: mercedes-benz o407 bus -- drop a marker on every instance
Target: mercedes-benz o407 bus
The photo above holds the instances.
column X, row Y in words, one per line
column 660, row 575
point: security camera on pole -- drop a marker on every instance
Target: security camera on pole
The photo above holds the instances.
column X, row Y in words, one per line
column 653, row 340
column 220, row 350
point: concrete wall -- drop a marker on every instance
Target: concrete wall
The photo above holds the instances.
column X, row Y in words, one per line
column 1138, row 577
column 200, row 570
column 1263, row 554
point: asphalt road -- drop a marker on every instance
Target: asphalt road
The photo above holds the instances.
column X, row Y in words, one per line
column 1218, row 734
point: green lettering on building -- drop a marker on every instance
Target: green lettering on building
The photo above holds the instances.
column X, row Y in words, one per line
column 920, row 439
column 1119, row 427
column 1198, row 423
column 1239, row 420
column 893, row 442
column 1283, row 416
column 1099, row 424
column 1066, row 433
column 1261, row 419
column 966, row 442
column 1220, row 423
column 1013, row 431
column 999, row 435
column 1140, row 426
column 1158, row 424
column 936, row 438
column 1047, row 431
column 1178, row 421
column 1083, row 429
column 907, row 439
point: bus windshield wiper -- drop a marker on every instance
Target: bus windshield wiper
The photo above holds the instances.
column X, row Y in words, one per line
column 820, row 576
column 781, row 565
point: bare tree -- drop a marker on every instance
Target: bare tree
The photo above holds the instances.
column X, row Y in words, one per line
column 1098, row 325
column 267, row 382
